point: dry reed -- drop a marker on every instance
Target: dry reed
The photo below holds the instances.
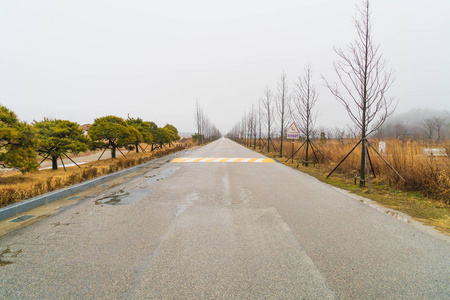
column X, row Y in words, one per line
column 17, row 187
column 427, row 175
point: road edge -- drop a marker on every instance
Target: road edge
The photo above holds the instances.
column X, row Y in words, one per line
column 22, row 206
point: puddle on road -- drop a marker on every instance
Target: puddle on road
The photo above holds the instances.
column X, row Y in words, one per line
column 124, row 198
column 162, row 175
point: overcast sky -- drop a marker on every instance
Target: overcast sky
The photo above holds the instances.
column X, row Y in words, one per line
column 79, row 60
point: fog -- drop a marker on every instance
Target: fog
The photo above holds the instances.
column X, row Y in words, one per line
column 79, row 60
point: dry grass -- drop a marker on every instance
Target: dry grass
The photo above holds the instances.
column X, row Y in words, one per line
column 425, row 195
column 429, row 176
column 15, row 186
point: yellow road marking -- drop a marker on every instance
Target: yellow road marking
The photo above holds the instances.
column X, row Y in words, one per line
column 222, row 159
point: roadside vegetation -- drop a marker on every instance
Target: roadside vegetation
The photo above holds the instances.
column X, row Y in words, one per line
column 16, row 186
column 24, row 147
column 206, row 131
column 403, row 166
column 21, row 143
column 424, row 195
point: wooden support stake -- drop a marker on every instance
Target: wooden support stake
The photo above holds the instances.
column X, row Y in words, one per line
column 320, row 151
column 273, row 145
column 121, row 152
column 292, row 156
column 344, row 158
column 44, row 159
column 371, row 165
column 392, row 168
column 72, row 160
column 314, row 152
column 63, row 163
column 102, row 154
column 301, row 154
column 367, row 165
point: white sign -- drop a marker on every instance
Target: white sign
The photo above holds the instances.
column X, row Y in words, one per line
column 382, row 147
column 293, row 132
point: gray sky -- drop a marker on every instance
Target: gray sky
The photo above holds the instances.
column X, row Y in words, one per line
column 79, row 60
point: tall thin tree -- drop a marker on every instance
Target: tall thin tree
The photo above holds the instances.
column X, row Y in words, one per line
column 267, row 103
column 304, row 101
column 282, row 107
column 259, row 123
column 365, row 80
column 199, row 121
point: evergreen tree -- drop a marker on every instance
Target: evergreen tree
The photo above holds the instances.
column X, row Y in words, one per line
column 59, row 137
column 144, row 129
column 17, row 142
column 172, row 133
column 110, row 132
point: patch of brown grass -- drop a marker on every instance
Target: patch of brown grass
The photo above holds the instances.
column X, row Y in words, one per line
column 425, row 195
column 429, row 176
column 15, row 186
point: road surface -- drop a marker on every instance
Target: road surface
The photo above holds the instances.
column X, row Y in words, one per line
column 242, row 229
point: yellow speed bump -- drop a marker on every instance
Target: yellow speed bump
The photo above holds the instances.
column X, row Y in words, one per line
column 222, row 159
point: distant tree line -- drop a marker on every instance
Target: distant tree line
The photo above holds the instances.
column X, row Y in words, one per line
column 21, row 143
column 434, row 127
column 206, row 131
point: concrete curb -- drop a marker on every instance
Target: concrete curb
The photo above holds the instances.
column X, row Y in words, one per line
column 22, row 206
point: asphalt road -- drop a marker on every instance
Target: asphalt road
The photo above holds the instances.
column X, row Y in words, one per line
column 216, row 230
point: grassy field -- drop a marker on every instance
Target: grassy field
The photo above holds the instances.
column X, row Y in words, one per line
column 15, row 186
column 424, row 195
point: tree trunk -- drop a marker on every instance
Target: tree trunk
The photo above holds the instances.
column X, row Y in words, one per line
column 306, row 152
column 363, row 161
column 364, row 112
column 54, row 162
column 113, row 151
column 281, row 142
column 137, row 147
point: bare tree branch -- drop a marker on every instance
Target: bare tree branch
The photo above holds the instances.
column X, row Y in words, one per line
column 364, row 80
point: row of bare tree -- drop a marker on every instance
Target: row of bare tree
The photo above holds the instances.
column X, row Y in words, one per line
column 435, row 128
column 206, row 131
column 361, row 87
column 276, row 112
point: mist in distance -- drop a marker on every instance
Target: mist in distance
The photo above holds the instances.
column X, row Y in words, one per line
column 79, row 60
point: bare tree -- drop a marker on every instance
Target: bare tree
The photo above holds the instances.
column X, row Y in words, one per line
column 362, row 74
column 439, row 124
column 259, row 122
column 244, row 124
column 352, row 131
column 206, row 131
column 429, row 126
column 339, row 134
column 250, row 124
column 400, row 130
column 304, row 101
column 206, row 128
column 254, row 124
column 282, row 107
column 199, row 121
column 267, row 104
